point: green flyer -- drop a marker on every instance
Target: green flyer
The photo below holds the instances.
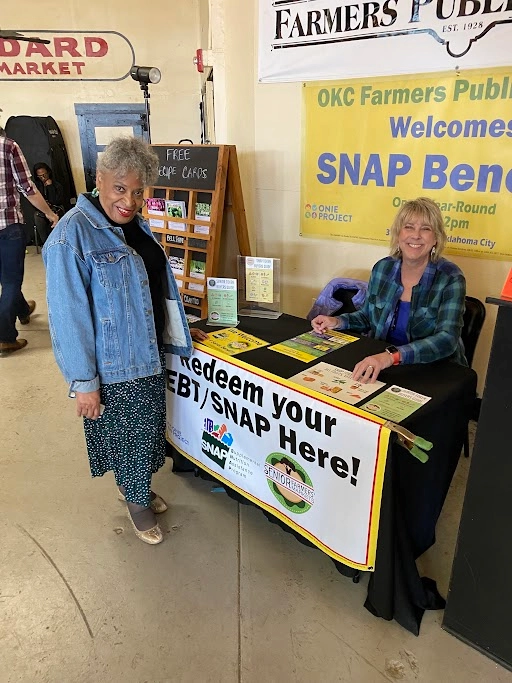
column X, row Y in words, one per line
column 395, row 404
column 222, row 301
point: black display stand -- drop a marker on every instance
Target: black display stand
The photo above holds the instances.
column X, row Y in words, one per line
column 479, row 604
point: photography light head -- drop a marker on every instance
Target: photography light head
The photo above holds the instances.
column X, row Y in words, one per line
column 145, row 74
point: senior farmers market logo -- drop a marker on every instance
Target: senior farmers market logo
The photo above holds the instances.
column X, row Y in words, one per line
column 455, row 24
column 289, row 483
column 216, row 442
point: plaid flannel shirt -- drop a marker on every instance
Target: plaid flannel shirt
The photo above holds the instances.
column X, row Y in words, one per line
column 15, row 177
column 436, row 315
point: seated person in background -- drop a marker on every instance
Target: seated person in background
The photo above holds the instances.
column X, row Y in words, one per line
column 415, row 298
column 53, row 192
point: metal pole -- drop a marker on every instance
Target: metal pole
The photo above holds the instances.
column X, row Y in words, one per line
column 144, row 88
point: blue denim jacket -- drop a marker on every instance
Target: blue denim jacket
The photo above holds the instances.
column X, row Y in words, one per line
column 99, row 303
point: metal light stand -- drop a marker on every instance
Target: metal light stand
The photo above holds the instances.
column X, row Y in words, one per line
column 146, row 126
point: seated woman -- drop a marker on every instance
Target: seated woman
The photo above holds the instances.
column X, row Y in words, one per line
column 415, row 298
column 53, row 192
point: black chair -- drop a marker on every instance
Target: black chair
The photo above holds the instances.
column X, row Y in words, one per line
column 474, row 317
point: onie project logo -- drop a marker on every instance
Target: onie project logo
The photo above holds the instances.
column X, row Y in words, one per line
column 216, row 442
column 326, row 212
column 289, row 483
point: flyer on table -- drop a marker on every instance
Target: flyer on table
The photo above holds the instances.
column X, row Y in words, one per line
column 396, row 403
column 336, row 382
column 311, row 345
column 232, row 341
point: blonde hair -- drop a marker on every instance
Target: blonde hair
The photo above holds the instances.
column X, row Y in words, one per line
column 427, row 210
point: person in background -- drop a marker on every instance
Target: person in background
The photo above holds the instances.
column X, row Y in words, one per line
column 114, row 309
column 15, row 178
column 415, row 297
column 53, row 193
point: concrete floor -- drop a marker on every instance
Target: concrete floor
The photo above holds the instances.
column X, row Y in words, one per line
column 227, row 597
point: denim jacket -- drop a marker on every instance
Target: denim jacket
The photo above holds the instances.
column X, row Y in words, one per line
column 99, row 303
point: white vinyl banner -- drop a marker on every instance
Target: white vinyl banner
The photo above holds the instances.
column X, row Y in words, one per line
column 333, row 39
column 315, row 464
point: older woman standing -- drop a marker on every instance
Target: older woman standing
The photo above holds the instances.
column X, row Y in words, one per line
column 415, row 297
column 114, row 309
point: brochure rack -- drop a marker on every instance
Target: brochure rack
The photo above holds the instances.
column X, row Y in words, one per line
column 186, row 210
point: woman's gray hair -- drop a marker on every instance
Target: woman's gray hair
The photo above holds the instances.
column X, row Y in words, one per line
column 427, row 210
column 130, row 155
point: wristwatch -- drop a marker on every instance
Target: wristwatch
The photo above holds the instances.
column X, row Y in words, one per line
column 394, row 353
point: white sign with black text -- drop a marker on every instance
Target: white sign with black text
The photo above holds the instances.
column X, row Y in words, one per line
column 333, row 39
column 317, row 466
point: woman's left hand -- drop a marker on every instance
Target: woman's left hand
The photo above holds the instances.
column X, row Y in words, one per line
column 368, row 369
column 197, row 334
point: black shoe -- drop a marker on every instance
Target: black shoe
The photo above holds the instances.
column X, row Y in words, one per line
column 31, row 308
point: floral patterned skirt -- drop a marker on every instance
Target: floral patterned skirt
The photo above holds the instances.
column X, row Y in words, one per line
column 129, row 438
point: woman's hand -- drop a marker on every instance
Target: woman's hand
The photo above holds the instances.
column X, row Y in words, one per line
column 197, row 334
column 324, row 322
column 368, row 369
column 88, row 404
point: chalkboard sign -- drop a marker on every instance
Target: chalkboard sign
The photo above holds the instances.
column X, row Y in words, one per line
column 185, row 211
column 187, row 166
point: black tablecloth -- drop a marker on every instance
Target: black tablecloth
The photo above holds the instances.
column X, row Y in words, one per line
column 413, row 492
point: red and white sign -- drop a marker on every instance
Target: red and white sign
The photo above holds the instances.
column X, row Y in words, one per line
column 68, row 56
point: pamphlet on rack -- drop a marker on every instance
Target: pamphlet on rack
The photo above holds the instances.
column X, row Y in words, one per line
column 177, row 261
column 155, row 207
column 175, row 209
column 156, row 223
column 198, row 267
column 232, row 341
column 396, row 403
column 202, row 214
column 222, row 301
column 335, row 382
column 312, row 345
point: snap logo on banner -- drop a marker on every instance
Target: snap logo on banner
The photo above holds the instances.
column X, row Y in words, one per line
column 216, row 442
column 67, row 55
column 289, row 482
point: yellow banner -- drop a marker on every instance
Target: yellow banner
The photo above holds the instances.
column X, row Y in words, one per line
column 371, row 144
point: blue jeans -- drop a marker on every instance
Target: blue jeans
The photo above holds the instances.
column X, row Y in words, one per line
column 12, row 264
